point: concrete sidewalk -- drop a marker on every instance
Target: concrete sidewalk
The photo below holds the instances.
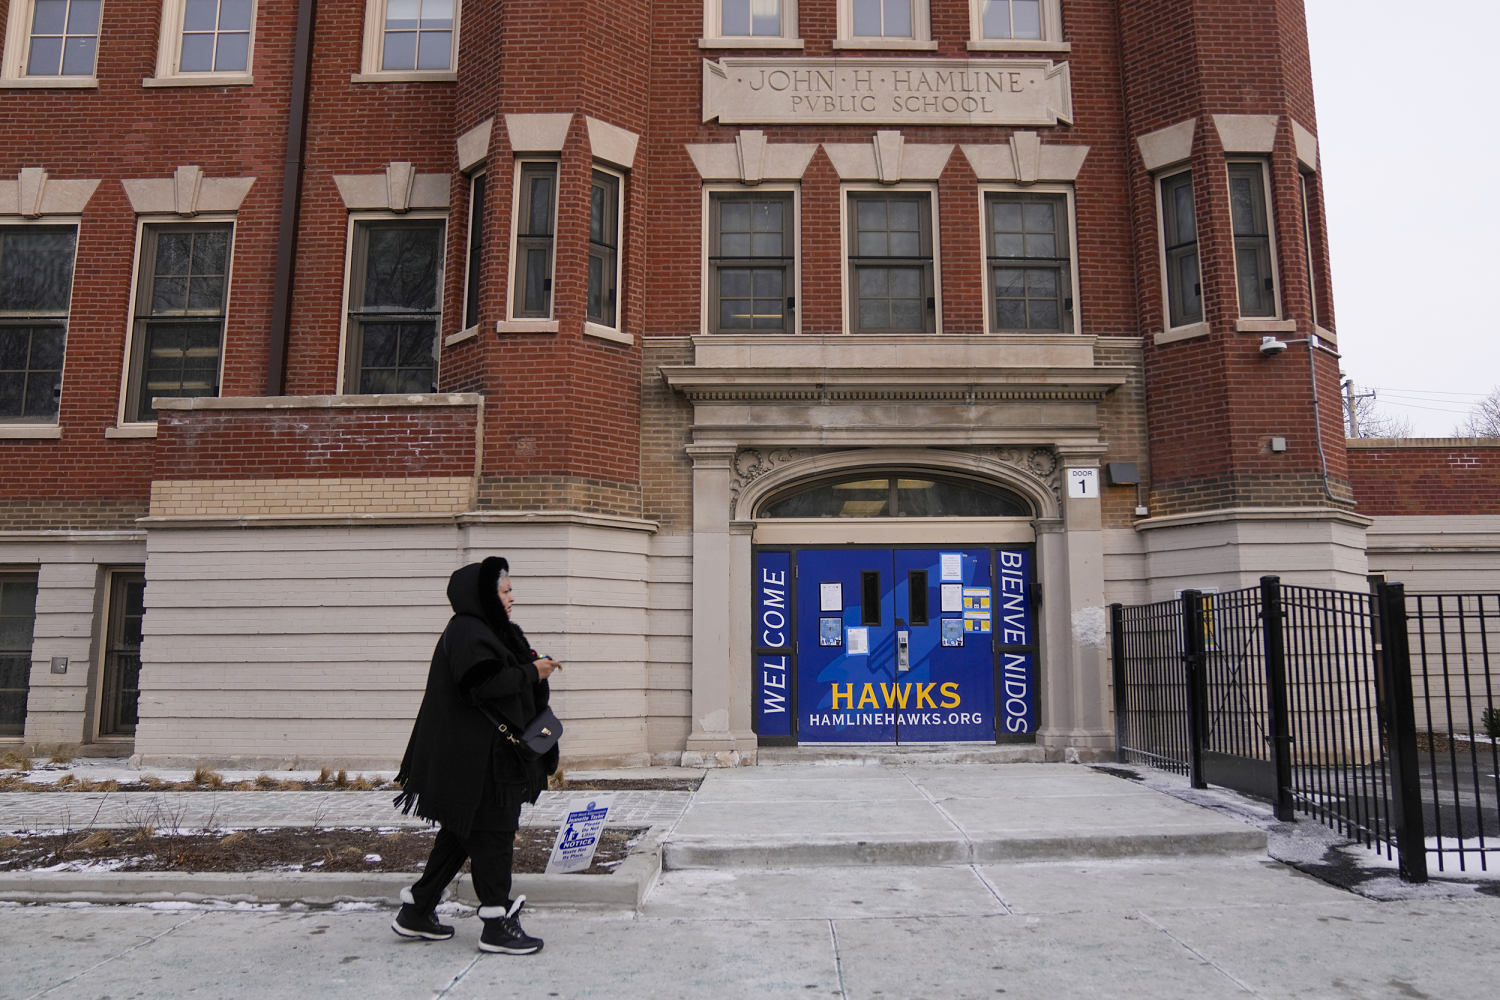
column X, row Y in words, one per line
column 773, row 816
column 792, row 815
column 1146, row 895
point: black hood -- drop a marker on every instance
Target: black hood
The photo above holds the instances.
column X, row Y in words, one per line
column 472, row 591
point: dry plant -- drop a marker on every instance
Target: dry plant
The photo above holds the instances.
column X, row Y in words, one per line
column 203, row 775
column 14, row 760
column 95, row 841
column 62, row 755
column 9, row 843
column 557, row 780
column 325, row 775
column 265, row 781
column 67, row 781
column 341, row 780
column 361, row 784
column 238, row 837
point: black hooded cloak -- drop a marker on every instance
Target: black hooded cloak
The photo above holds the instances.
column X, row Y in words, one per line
column 456, row 766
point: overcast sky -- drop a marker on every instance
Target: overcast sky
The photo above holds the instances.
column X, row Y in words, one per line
column 1409, row 141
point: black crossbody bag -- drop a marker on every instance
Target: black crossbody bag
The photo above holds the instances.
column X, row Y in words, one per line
column 533, row 742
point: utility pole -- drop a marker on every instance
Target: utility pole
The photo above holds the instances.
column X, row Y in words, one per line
column 1351, row 405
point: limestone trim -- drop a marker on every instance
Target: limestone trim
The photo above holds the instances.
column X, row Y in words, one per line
column 34, row 194
column 187, row 192
column 750, row 159
column 1025, row 159
column 701, row 384
column 544, row 133
column 612, row 144
column 1246, row 133
column 1168, row 146
column 1229, row 514
column 1033, row 472
column 400, row 189
column 474, row 145
column 1307, row 146
column 531, row 517
column 1440, row 443
column 889, row 159
column 350, row 401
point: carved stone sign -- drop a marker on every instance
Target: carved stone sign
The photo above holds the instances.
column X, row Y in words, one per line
column 887, row 91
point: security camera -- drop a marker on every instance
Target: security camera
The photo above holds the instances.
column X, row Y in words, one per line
column 1270, row 346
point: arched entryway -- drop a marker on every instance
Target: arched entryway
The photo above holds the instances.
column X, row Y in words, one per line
column 894, row 604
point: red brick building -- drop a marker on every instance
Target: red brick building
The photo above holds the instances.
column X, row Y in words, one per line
column 792, row 351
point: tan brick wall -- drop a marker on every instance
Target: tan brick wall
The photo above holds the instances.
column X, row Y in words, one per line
column 259, row 497
column 666, row 429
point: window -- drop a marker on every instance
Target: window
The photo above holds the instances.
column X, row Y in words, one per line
column 1254, row 272
column 1015, row 19
column 52, row 38
column 906, row 494
column 182, row 294
column 750, row 21
column 1312, row 245
column 1028, row 251
column 536, row 226
column 1015, row 24
column 891, row 284
column 410, row 36
column 604, row 249
column 1180, row 246
column 394, row 286
column 206, row 38
column 17, row 620
column 36, row 284
column 882, row 19
column 474, row 253
column 751, row 273
column 883, row 24
column 119, row 703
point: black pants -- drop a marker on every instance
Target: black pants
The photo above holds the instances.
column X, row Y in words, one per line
column 489, row 853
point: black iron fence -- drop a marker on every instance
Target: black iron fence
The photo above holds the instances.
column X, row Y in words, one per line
column 1367, row 712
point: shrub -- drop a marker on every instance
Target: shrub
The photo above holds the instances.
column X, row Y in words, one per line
column 1490, row 720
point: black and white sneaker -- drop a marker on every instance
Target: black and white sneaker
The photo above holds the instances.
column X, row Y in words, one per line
column 411, row 922
column 502, row 931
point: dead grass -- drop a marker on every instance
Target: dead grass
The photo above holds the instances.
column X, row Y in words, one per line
column 14, row 760
column 286, row 849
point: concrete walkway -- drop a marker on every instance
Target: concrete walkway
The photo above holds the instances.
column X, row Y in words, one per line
column 855, row 882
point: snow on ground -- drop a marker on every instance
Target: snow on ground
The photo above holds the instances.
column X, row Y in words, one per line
column 1322, row 852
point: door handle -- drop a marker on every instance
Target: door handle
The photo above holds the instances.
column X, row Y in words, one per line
column 903, row 651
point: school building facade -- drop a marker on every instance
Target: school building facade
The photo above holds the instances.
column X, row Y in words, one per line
column 824, row 368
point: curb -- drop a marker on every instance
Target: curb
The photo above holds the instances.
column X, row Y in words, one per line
column 680, row 854
column 624, row 888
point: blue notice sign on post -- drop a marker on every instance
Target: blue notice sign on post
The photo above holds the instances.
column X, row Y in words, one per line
column 578, row 837
column 773, row 643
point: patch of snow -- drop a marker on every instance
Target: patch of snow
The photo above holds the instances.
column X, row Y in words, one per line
column 372, row 858
column 106, row 865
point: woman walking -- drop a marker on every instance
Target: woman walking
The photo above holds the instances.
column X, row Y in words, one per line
column 459, row 773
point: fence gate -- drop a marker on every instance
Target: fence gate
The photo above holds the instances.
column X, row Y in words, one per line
column 1232, row 652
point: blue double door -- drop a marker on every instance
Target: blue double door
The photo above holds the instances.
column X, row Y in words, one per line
column 905, row 645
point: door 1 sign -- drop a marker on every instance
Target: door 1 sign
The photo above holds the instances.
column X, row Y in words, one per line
column 1083, row 484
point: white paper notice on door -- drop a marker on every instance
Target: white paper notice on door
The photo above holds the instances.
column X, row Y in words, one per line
column 831, row 597
column 953, row 565
column 857, row 642
column 953, row 596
